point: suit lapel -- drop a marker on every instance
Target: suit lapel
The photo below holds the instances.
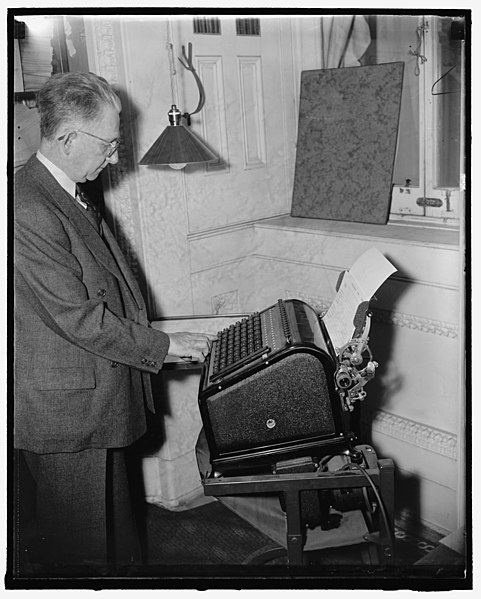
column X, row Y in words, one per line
column 110, row 256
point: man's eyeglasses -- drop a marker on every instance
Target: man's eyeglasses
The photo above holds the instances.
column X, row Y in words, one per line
column 113, row 145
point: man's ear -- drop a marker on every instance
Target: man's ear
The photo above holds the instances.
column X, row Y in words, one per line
column 66, row 142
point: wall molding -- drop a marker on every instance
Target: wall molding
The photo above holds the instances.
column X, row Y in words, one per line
column 399, row 319
column 418, row 323
column 415, row 433
column 223, row 229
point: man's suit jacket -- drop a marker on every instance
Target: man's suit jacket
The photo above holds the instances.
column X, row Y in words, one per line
column 84, row 350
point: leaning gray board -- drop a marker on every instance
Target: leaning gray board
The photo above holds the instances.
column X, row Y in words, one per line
column 346, row 144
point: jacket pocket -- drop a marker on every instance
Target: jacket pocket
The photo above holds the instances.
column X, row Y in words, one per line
column 65, row 378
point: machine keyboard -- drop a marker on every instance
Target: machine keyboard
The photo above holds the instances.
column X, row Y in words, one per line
column 238, row 345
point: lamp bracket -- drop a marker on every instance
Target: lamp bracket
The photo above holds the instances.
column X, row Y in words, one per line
column 189, row 65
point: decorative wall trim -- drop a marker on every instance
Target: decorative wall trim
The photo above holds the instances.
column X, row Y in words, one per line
column 399, row 319
column 415, row 433
column 419, row 323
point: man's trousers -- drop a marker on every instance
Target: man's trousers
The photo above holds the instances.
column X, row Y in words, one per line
column 83, row 510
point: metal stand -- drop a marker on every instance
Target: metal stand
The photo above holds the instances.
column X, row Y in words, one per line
column 380, row 472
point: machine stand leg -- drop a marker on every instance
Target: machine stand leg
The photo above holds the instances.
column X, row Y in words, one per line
column 295, row 534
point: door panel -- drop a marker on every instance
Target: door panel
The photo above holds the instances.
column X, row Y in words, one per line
column 248, row 119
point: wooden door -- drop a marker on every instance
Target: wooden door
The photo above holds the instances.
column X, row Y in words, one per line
column 249, row 118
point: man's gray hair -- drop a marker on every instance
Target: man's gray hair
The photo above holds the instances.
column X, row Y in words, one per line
column 73, row 97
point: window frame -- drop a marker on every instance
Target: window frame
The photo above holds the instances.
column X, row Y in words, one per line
column 404, row 207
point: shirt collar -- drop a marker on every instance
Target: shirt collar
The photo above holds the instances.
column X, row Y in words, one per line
column 58, row 174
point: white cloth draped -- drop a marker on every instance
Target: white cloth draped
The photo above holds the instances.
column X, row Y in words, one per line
column 344, row 40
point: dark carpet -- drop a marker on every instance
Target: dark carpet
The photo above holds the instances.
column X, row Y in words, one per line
column 208, row 534
column 213, row 534
column 216, row 548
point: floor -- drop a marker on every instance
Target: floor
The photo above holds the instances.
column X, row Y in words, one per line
column 211, row 519
column 208, row 541
column 209, row 546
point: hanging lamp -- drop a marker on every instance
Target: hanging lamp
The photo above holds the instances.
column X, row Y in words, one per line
column 177, row 145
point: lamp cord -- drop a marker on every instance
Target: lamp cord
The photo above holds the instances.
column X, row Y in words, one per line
column 382, row 507
column 190, row 67
column 173, row 90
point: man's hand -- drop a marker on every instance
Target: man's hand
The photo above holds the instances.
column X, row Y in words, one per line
column 190, row 346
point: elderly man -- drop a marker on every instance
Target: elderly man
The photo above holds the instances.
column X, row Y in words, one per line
column 84, row 349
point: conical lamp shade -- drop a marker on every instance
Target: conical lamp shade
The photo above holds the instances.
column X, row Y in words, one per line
column 178, row 145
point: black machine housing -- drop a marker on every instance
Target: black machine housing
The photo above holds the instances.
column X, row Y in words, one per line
column 267, row 392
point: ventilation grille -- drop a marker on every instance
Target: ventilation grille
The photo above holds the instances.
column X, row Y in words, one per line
column 207, row 26
column 248, row 26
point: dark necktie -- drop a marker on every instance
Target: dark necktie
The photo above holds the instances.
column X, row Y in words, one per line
column 91, row 211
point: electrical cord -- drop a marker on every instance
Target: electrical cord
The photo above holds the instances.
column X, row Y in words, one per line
column 378, row 497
